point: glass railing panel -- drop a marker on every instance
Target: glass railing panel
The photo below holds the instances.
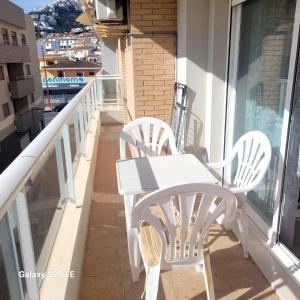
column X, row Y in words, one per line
column 45, row 205
column 74, row 134
column 51, row 183
column 110, row 91
column 10, row 282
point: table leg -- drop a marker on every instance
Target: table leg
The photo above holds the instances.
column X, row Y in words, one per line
column 132, row 239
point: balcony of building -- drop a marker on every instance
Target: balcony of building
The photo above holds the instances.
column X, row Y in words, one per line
column 62, row 217
column 21, row 87
column 14, row 54
column 23, row 120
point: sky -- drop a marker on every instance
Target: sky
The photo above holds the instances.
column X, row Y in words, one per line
column 28, row 5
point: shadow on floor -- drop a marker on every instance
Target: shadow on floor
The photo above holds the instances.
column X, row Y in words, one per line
column 106, row 272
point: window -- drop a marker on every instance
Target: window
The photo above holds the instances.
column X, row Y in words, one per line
column 32, row 99
column 50, row 63
column 28, row 71
column 258, row 100
column 5, row 36
column 23, row 39
column 91, row 73
column 2, row 73
column 60, row 74
column 14, row 38
column 80, row 74
column 6, row 110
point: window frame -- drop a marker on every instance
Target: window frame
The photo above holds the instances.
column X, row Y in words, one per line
column 2, row 75
column 14, row 38
column 28, row 70
column 5, row 36
column 23, row 40
column 6, row 110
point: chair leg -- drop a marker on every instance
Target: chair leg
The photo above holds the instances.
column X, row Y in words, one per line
column 243, row 228
column 208, row 276
column 152, row 282
column 134, row 254
column 132, row 240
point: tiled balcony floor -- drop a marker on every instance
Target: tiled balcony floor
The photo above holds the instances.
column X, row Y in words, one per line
column 106, row 271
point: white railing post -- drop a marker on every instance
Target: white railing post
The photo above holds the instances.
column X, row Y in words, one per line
column 94, row 96
column 88, row 103
column 100, row 98
column 69, row 164
column 60, row 171
column 76, row 129
column 26, row 244
column 82, row 130
column 84, row 111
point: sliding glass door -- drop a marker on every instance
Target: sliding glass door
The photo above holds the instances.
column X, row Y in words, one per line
column 290, row 209
column 259, row 63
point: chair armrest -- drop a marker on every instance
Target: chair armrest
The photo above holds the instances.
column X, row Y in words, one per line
column 217, row 165
column 223, row 163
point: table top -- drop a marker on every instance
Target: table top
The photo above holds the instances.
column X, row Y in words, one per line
column 147, row 174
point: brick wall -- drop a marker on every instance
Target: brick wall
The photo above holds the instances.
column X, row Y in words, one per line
column 154, row 75
column 153, row 16
column 152, row 43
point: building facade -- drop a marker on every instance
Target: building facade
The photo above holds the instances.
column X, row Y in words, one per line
column 21, row 111
column 64, row 79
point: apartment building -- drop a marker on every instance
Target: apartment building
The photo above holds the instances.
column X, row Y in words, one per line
column 48, row 60
column 73, row 68
column 21, row 111
column 64, row 79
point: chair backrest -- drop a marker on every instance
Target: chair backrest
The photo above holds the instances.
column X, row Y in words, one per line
column 182, row 216
column 146, row 137
column 253, row 152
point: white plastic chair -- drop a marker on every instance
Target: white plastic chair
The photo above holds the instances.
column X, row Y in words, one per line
column 173, row 236
column 144, row 137
column 253, row 151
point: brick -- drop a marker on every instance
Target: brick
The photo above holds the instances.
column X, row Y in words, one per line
column 164, row 23
column 148, row 87
column 153, row 17
column 144, row 56
column 144, row 67
column 165, row 11
column 154, row 92
column 136, row 18
column 140, row 12
column 157, row 5
column 143, row 23
column 160, row 28
column 140, row 1
column 135, row 5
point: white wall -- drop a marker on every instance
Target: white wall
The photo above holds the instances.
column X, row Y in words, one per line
column 201, row 64
column 109, row 47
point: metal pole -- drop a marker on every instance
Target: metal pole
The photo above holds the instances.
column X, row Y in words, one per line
column 46, row 75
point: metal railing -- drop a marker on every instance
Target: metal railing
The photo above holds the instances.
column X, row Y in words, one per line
column 36, row 186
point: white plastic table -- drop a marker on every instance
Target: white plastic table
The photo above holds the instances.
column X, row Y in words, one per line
column 144, row 175
column 147, row 174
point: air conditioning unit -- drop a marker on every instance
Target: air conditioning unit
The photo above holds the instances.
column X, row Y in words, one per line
column 111, row 10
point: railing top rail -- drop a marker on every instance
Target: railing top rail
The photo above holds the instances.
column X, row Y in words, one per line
column 13, row 179
column 108, row 76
